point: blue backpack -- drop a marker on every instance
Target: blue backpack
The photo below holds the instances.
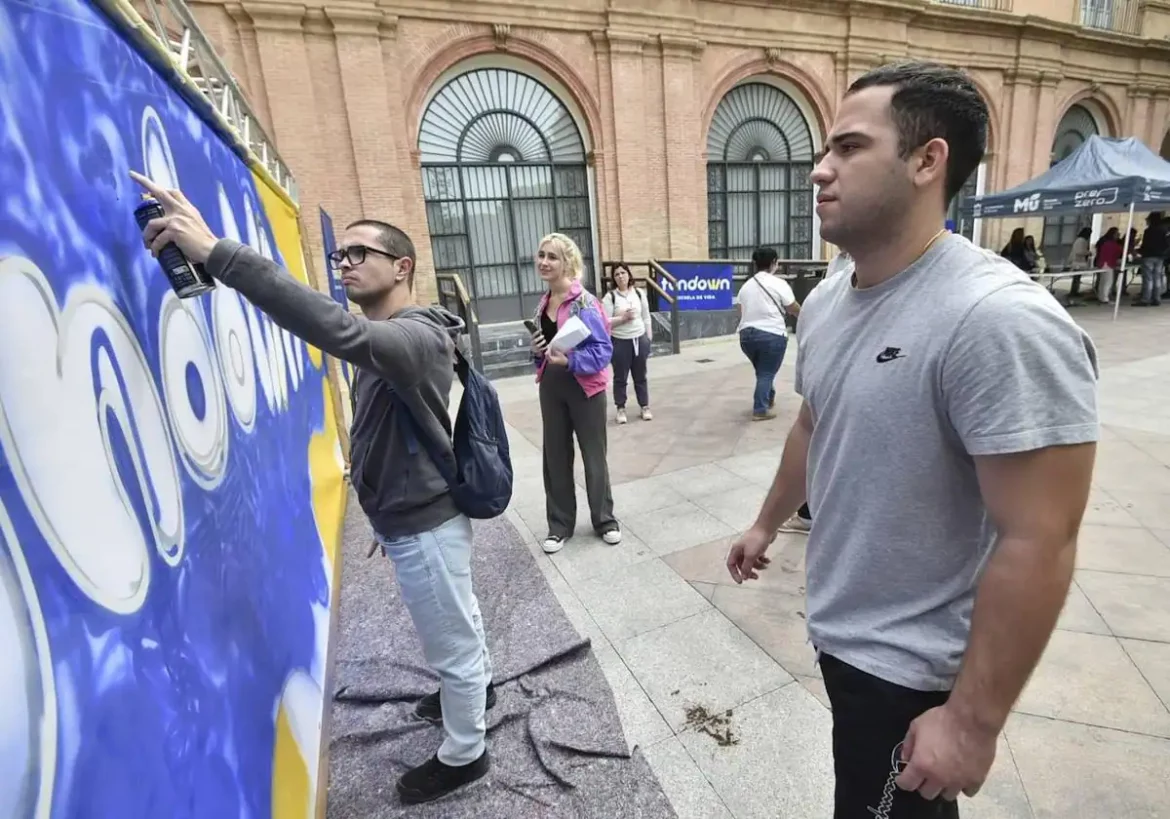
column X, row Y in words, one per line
column 481, row 483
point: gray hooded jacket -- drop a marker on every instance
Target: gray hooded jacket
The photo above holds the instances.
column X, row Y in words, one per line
column 409, row 354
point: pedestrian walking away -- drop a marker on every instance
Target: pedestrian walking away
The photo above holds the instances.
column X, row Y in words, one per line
column 404, row 358
column 762, row 302
column 946, row 440
column 629, row 314
column 572, row 396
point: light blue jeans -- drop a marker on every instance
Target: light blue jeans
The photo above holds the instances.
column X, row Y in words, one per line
column 434, row 578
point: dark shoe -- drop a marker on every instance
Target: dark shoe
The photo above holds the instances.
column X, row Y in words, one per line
column 430, row 707
column 433, row 780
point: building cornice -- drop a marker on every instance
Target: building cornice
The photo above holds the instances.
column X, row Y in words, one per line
column 626, row 42
column 275, row 16
column 681, row 48
column 355, row 21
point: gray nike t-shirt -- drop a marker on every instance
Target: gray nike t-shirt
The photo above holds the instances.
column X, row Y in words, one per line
column 960, row 355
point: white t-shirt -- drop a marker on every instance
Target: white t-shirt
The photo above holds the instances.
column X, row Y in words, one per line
column 760, row 299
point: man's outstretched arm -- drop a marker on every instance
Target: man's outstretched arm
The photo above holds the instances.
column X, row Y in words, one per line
column 389, row 349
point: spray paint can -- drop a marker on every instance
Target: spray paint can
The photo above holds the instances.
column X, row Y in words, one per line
column 187, row 278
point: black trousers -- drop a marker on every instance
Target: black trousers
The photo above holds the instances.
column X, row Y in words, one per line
column 625, row 362
column 565, row 412
column 870, row 720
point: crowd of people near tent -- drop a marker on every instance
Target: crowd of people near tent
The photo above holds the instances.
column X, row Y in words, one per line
column 1111, row 256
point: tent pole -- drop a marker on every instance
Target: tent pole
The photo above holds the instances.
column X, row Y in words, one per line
column 1124, row 257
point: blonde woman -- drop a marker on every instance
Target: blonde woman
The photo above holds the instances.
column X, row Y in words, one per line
column 572, row 396
column 629, row 315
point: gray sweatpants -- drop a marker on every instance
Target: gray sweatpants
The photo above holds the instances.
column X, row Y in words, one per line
column 566, row 411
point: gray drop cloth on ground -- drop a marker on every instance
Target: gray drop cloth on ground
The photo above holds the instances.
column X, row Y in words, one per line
column 555, row 738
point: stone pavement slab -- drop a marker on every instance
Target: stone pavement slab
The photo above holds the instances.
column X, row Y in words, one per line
column 675, row 636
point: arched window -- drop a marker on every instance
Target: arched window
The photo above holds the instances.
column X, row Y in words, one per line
column 759, row 157
column 503, row 164
column 1076, row 126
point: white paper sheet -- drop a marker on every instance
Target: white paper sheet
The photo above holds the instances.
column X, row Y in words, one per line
column 572, row 333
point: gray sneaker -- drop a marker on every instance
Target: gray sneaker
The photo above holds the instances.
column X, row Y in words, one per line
column 796, row 525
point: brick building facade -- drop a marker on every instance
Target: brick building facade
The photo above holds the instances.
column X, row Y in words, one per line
column 649, row 128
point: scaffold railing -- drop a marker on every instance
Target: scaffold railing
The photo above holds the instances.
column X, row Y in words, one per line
column 190, row 52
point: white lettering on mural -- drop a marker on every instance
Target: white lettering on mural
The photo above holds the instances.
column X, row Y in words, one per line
column 193, row 390
column 82, row 422
column 28, row 734
column 74, row 387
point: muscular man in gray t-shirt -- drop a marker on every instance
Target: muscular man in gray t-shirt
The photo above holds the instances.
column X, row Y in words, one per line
column 960, row 355
column 945, row 445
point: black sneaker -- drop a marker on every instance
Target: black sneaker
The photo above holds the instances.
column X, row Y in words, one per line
column 433, row 780
column 430, row 707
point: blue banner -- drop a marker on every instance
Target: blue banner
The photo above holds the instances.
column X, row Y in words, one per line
column 702, row 285
column 329, row 241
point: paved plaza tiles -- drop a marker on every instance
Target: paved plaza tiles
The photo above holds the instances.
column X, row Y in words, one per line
column 716, row 683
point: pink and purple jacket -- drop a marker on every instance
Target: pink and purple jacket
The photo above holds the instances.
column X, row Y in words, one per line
column 589, row 361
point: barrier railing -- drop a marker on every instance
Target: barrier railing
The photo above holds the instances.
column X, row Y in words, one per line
column 192, row 54
column 453, row 296
column 986, row 5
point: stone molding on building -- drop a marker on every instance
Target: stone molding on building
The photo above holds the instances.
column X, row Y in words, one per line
column 359, row 22
column 500, row 33
column 625, row 42
column 275, row 16
column 680, row 48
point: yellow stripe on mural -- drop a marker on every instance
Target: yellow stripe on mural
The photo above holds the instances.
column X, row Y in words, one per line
column 297, row 786
column 287, row 232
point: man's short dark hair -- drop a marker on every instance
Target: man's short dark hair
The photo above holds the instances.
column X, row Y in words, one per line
column 935, row 101
column 764, row 257
column 393, row 240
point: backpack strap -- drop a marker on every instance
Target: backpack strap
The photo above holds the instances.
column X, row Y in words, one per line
column 416, row 435
column 768, row 293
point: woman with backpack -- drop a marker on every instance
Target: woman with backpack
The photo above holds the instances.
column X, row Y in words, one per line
column 629, row 315
column 572, row 395
column 763, row 301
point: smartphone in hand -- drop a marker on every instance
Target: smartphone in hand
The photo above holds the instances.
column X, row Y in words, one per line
column 531, row 325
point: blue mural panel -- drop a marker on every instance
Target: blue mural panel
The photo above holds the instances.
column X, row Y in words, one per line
column 165, row 549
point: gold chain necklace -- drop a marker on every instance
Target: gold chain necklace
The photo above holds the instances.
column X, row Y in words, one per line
column 928, row 245
column 925, row 248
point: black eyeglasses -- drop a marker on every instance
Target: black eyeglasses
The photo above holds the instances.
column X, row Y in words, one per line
column 356, row 255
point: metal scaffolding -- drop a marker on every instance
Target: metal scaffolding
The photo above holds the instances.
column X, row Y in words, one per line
column 174, row 30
